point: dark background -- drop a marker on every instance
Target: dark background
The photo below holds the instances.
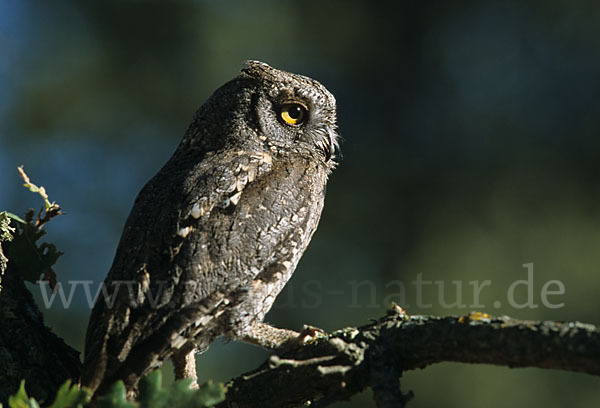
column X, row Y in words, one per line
column 471, row 145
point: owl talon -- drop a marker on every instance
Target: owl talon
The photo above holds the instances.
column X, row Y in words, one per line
column 310, row 335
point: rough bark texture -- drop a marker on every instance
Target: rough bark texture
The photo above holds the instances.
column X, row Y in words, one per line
column 374, row 355
column 28, row 349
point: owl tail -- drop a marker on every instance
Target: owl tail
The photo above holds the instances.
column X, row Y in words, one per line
column 100, row 372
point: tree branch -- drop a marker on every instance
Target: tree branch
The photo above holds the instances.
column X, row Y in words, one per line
column 374, row 355
column 29, row 350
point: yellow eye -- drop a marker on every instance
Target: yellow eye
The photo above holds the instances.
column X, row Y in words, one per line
column 293, row 114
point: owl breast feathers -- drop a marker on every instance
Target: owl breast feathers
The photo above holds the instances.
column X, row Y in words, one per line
column 218, row 231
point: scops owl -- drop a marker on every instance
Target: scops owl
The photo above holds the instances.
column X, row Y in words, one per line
column 218, row 231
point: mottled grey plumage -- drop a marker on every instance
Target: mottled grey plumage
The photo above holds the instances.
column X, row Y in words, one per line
column 215, row 235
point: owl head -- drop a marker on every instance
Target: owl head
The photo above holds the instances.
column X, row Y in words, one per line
column 268, row 109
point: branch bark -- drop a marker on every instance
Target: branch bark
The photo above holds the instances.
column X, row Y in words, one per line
column 29, row 350
column 375, row 355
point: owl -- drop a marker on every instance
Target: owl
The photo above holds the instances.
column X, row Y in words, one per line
column 215, row 235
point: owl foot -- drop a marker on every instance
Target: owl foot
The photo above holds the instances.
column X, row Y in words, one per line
column 273, row 338
column 310, row 334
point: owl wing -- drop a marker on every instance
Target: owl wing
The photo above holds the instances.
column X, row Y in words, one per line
column 176, row 233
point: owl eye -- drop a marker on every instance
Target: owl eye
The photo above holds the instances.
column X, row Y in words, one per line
column 293, row 114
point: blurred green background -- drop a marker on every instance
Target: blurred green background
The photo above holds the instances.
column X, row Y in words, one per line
column 471, row 145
